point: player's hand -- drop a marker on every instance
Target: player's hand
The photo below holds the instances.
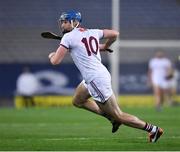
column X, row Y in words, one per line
column 109, row 50
column 102, row 47
column 51, row 55
column 149, row 83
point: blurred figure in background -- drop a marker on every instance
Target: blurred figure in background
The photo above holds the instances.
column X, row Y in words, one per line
column 27, row 85
column 163, row 79
column 171, row 85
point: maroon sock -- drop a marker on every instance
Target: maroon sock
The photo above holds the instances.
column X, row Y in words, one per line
column 148, row 127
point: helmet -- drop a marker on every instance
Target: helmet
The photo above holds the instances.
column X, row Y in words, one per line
column 71, row 16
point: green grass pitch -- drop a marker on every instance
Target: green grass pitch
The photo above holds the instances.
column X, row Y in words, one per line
column 73, row 129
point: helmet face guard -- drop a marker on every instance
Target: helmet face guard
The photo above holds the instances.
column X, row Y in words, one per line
column 71, row 16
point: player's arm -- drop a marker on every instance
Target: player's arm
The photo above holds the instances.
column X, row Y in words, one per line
column 57, row 57
column 169, row 72
column 149, row 77
column 110, row 36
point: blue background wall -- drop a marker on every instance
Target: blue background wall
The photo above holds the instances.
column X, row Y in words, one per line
column 133, row 78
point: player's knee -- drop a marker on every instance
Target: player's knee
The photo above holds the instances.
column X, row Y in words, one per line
column 76, row 102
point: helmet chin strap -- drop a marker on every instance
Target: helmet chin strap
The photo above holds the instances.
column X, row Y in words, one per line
column 72, row 25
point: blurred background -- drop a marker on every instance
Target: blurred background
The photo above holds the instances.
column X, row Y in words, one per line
column 145, row 27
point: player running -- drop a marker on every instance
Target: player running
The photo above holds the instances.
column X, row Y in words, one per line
column 84, row 48
column 163, row 79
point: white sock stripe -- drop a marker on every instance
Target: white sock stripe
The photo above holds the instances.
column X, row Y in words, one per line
column 149, row 127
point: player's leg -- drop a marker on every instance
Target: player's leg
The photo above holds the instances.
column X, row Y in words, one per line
column 170, row 91
column 81, row 100
column 168, row 96
column 159, row 97
column 173, row 96
column 111, row 108
column 167, row 91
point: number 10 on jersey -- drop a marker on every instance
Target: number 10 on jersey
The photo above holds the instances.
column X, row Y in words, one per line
column 88, row 43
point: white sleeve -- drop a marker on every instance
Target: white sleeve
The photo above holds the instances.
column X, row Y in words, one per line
column 170, row 63
column 65, row 41
column 100, row 34
column 150, row 64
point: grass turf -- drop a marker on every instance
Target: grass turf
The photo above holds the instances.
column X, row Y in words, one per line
column 69, row 128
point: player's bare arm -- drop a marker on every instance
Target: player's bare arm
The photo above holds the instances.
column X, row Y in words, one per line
column 57, row 57
column 149, row 78
column 111, row 36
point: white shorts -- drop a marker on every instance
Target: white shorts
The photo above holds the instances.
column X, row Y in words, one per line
column 170, row 84
column 100, row 89
column 165, row 84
